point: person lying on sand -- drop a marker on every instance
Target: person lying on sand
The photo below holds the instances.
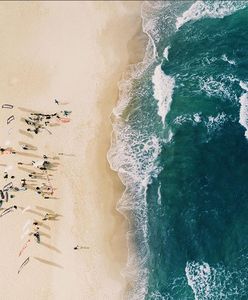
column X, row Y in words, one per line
column 42, row 192
column 28, row 122
column 6, row 176
column 1, row 195
column 25, row 147
column 4, row 196
column 80, row 247
column 77, row 247
column 7, row 151
column 49, row 216
column 41, row 164
column 36, row 130
column 66, row 112
column 33, row 175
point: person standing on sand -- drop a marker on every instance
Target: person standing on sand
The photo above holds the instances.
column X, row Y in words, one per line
column 36, row 233
column 2, row 197
column 7, row 151
column 56, row 101
column 37, row 236
column 23, row 183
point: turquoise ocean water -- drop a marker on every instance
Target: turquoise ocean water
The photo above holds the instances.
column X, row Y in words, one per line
column 180, row 146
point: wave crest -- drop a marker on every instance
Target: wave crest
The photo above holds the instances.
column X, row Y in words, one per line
column 214, row 283
column 163, row 86
column 133, row 155
column 243, row 100
column 212, row 9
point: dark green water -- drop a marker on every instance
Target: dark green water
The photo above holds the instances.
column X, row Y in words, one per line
column 187, row 178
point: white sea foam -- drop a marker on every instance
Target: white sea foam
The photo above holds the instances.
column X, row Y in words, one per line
column 210, row 60
column 166, row 52
column 156, row 295
column 230, row 61
column 159, row 194
column 212, row 123
column 179, row 120
column 163, row 86
column 209, row 9
column 216, row 122
column 212, row 283
column 218, row 87
column 244, row 85
column 197, row 118
column 133, row 155
column 243, row 100
column 170, row 137
column 199, row 279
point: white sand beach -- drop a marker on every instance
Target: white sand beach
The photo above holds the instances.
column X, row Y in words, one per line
column 74, row 52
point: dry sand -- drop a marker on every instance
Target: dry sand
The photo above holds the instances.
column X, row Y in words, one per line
column 74, row 52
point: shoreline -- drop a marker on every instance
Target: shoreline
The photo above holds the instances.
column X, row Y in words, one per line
column 134, row 272
column 42, row 64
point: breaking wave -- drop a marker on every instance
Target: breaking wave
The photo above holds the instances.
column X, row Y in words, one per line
column 230, row 61
column 163, row 86
column 212, row 9
column 222, row 86
column 214, row 283
column 243, row 100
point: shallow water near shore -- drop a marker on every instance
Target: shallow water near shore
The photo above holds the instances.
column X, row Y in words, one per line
column 181, row 150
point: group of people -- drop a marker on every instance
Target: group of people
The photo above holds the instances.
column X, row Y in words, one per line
column 39, row 121
column 38, row 177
